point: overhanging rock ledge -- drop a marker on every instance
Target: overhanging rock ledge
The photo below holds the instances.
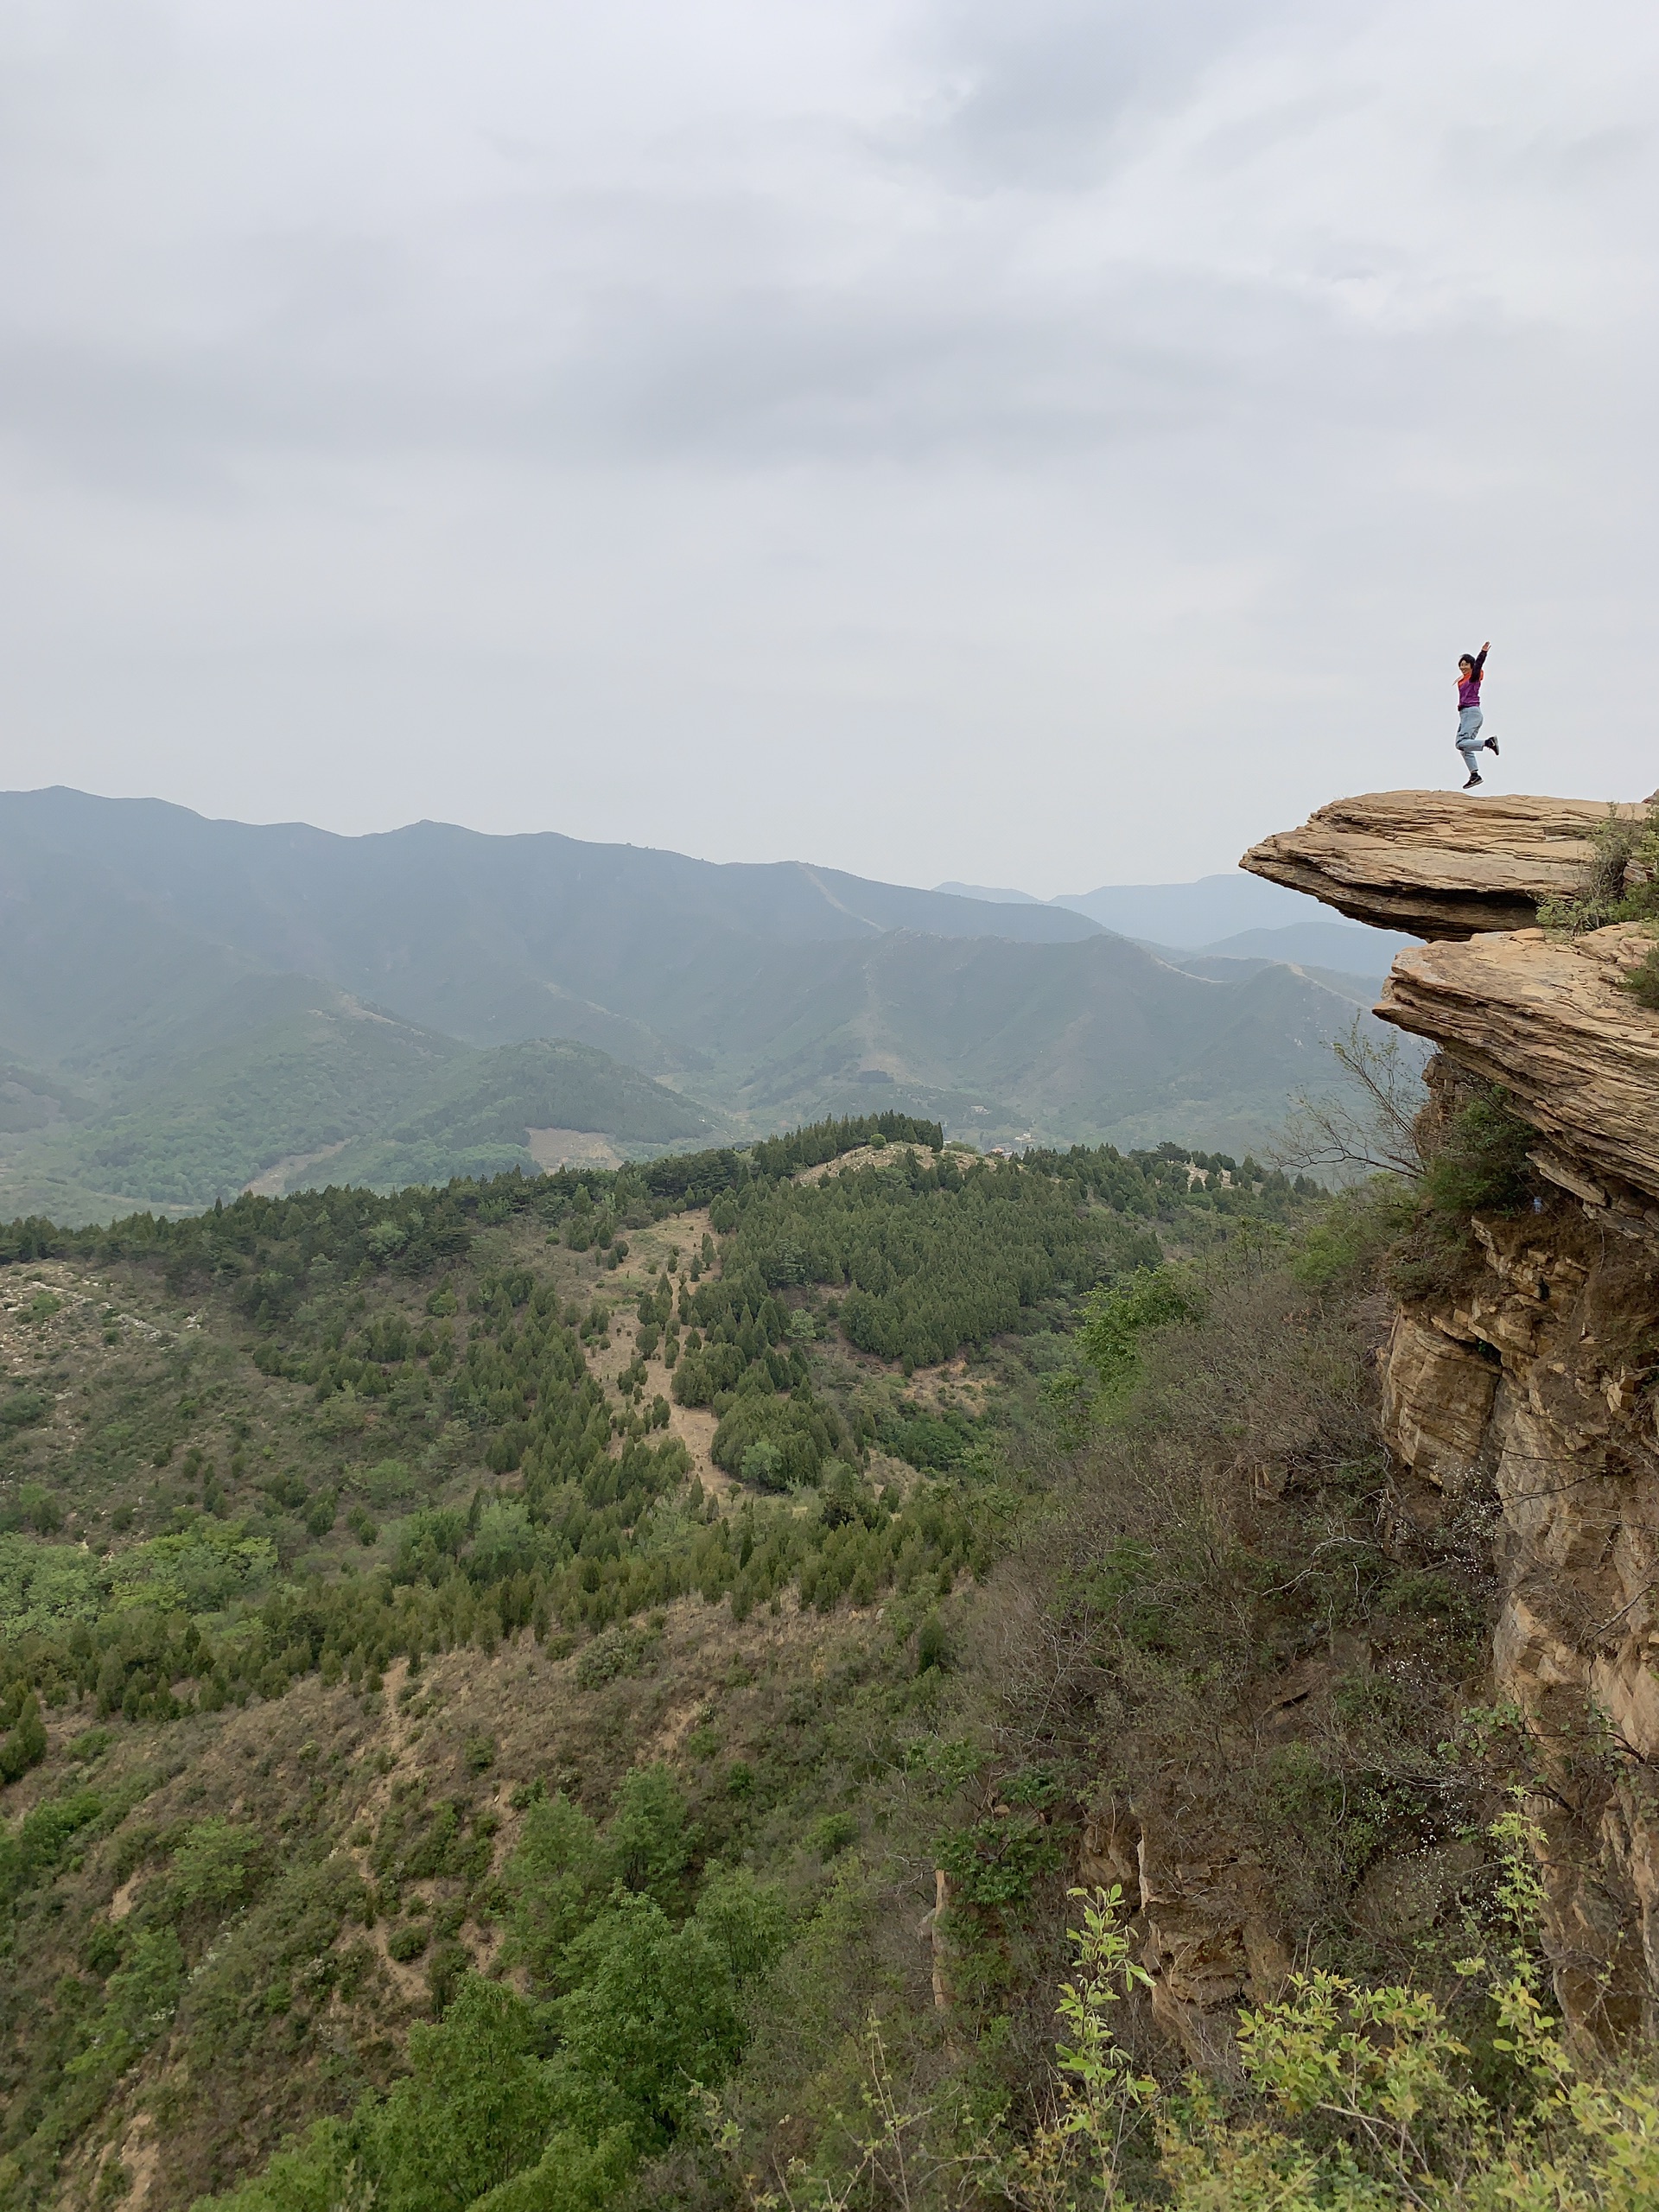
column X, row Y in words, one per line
column 1436, row 864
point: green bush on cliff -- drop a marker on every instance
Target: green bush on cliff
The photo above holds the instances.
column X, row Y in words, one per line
column 1642, row 981
column 1482, row 1164
column 1621, row 881
column 1479, row 1165
column 1352, row 2095
column 1621, row 884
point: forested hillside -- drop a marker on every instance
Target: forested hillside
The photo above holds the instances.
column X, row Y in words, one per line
column 291, row 1082
column 844, row 1673
column 420, row 1612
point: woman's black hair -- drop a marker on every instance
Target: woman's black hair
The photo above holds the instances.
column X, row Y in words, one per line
column 1466, row 660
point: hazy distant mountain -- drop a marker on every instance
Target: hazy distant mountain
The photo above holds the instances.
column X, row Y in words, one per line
column 984, row 891
column 288, row 1081
column 1238, row 914
column 1319, row 944
column 281, row 1066
column 1062, row 1042
column 1188, row 915
column 29, row 1100
column 482, row 937
column 516, row 1107
column 189, row 1006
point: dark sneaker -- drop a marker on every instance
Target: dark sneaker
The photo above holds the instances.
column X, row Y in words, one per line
column 1491, row 745
column 1473, row 780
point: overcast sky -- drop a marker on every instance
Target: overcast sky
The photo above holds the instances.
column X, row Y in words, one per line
column 1046, row 442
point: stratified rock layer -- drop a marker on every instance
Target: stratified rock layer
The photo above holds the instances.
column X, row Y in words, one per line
column 1524, row 1395
column 1522, row 1389
column 1436, row 864
column 1578, row 1055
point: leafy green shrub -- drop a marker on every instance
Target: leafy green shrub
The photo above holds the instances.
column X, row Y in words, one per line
column 1350, row 1237
column 476, row 2123
column 321, row 1512
column 833, row 1833
column 408, row 1942
column 40, row 1509
column 1482, row 1166
column 793, row 1437
column 648, row 1839
column 1642, row 981
column 216, row 1863
column 998, row 1861
column 929, row 1441
column 1116, row 1318
column 477, row 2108
column 652, row 2015
column 932, row 1645
column 24, row 1744
column 43, row 1836
column 619, row 1651
column 552, row 1882
column 140, row 2000
column 763, row 1465
column 1625, row 847
column 746, row 1919
column 23, row 1409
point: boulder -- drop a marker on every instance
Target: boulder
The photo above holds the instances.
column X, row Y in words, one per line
column 1437, row 864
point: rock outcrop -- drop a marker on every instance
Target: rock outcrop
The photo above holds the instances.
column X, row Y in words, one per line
column 1527, row 1389
column 1436, row 864
column 1578, row 1055
column 1526, row 1384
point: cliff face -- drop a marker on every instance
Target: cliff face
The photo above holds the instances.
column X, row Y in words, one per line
column 1530, row 1384
column 1578, row 1055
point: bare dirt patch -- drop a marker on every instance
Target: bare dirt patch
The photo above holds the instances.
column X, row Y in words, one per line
column 141, row 2154
column 275, row 1180
column 551, row 1149
column 659, row 1248
column 889, row 1155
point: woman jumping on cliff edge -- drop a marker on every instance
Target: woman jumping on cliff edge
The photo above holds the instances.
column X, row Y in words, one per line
column 1471, row 667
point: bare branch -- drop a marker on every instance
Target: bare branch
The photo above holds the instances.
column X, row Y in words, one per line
column 1369, row 1127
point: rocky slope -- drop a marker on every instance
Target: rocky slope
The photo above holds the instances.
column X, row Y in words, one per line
column 1522, row 1380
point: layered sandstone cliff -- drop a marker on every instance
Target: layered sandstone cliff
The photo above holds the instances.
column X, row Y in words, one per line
column 1432, row 863
column 1577, row 1055
column 1530, row 1384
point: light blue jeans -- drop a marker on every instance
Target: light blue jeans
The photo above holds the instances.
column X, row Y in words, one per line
column 1471, row 743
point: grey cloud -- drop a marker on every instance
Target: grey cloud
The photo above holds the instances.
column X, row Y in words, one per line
column 1040, row 96
column 703, row 321
column 748, row 379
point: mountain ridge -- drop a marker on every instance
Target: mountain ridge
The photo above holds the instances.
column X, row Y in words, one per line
column 140, row 943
